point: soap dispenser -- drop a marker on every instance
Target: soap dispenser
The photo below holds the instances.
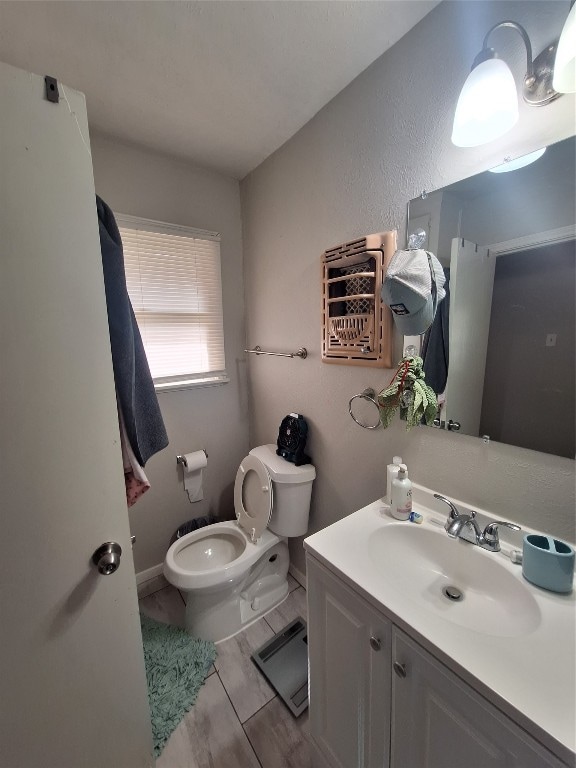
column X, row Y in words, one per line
column 401, row 506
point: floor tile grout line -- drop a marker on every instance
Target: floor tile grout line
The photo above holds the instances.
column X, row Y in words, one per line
column 303, row 734
column 162, row 602
column 296, row 580
column 153, row 592
column 237, row 718
column 228, row 695
column 294, row 588
column 259, row 710
column 252, row 745
column 234, row 708
column 278, row 608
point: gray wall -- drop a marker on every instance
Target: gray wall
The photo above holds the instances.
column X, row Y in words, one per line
column 142, row 183
column 350, row 171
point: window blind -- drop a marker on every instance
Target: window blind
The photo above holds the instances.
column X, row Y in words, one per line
column 174, row 284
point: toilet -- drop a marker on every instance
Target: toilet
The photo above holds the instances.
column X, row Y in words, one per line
column 234, row 572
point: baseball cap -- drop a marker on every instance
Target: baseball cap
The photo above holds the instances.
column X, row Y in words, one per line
column 413, row 287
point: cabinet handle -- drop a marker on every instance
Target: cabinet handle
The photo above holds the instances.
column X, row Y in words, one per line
column 400, row 669
column 375, row 643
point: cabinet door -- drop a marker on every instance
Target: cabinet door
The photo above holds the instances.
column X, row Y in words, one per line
column 440, row 722
column 349, row 649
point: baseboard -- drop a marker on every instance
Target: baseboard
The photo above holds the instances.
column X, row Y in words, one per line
column 149, row 573
column 298, row 575
column 151, row 580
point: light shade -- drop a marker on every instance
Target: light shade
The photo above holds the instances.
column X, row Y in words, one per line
column 488, row 105
column 519, row 162
column 564, row 80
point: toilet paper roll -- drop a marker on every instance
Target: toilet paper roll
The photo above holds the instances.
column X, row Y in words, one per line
column 195, row 463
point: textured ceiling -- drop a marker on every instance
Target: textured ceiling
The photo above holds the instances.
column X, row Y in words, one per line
column 222, row 83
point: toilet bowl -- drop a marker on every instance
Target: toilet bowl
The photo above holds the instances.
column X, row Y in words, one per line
column 234, row 572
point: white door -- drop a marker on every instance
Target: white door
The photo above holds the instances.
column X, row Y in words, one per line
column 471, row 284
column 349, row 651
column 73, row 689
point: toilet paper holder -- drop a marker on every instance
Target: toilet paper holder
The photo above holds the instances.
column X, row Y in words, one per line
column 182, row 459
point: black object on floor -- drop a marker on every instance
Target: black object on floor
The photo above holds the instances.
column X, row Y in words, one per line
column 283, row 661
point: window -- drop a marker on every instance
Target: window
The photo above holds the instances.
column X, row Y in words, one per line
column 174, row 284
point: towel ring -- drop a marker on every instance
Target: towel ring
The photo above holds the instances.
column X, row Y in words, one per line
column 370, row 395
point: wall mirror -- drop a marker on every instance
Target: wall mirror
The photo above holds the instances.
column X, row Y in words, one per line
column 501, row 352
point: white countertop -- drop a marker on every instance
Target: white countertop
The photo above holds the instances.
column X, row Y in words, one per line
column 531, row 677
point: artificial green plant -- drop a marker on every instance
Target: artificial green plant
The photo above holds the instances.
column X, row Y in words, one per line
column 408, row 392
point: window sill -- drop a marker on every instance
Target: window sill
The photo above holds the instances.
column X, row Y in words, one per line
column 208, row 381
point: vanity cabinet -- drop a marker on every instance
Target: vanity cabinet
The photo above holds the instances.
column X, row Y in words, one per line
column 380, row 700
column 349, row 646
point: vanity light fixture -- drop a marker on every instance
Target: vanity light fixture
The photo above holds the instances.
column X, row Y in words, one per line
column 488, row 103
column 510, row 164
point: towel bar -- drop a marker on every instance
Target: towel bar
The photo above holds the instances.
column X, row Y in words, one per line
column 302, row 353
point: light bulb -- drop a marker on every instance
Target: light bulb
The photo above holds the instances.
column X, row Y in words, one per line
column 564, row 80
column 488, row 105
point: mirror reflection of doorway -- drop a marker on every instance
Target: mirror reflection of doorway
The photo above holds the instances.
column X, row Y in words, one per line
column 532, row 341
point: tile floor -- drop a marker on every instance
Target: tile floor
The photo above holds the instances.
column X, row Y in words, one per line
column 237, row 721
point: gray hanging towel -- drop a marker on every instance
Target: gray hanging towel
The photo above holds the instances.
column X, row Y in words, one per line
column 134, row 386
column 435, row 348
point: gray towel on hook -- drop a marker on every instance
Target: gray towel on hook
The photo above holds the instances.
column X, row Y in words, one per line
column 435, row 348
column 134, row 386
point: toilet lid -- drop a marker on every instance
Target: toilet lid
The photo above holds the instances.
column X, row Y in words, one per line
column 253, row 497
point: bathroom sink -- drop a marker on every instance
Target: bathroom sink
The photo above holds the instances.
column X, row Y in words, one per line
column 457, row 581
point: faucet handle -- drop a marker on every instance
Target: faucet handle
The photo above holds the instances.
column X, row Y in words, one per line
column 453, row 510
column 490, row 534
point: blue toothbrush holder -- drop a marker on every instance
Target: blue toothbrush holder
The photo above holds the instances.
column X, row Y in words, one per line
column 548, row 563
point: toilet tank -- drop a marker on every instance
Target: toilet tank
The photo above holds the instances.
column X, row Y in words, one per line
column 292, row 488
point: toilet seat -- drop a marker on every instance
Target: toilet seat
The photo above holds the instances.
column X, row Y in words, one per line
column 253, row 497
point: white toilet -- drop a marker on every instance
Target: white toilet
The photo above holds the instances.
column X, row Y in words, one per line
column 233, row 572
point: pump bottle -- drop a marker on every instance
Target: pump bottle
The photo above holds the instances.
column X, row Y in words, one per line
column 401, row 505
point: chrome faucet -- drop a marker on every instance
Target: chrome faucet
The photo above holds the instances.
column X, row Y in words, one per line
column 457, row 525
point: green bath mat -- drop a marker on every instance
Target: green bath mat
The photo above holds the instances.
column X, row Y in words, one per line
column 176, row 667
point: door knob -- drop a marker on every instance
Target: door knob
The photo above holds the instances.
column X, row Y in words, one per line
column 375, row 643
column 107, row 558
